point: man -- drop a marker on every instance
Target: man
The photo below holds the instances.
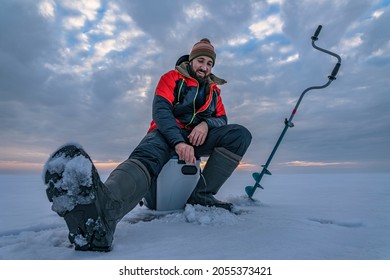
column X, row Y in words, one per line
column 189, row 120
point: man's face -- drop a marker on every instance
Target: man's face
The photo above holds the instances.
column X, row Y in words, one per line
column 202, row 66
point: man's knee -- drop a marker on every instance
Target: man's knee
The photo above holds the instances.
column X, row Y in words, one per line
column 153, row 152
column 245, row 136
column 238, row 139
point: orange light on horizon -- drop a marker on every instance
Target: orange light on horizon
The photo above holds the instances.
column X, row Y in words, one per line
column 19, row 166
column 106, row 166
column 316, row 163
column 241, row 166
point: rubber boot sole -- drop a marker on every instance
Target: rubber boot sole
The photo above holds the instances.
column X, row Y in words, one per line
column 72, row 186
column 209, row 201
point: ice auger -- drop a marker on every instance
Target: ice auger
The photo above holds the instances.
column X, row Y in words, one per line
column 250, row 190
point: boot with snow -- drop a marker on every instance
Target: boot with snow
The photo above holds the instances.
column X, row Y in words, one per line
column 90, row 208
column 218, row 169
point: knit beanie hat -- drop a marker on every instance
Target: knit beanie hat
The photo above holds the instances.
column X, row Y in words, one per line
column 203, row 47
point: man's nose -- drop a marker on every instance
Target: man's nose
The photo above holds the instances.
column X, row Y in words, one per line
column 203, row 67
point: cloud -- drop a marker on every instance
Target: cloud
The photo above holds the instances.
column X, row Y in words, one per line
column 270, row 26
column 85, row 71
column 196, row 11
column 47, row 8
column 88, row 9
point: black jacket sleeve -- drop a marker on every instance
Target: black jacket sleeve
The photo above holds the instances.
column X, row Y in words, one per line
column 165, row 121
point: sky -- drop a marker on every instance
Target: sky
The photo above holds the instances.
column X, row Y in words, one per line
column 86, row 71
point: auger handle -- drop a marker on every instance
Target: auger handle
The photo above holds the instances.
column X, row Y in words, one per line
column 336, row 68
column 335, row 71
column 315, row 36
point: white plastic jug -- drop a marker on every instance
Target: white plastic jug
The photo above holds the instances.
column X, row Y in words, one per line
column 173, row 186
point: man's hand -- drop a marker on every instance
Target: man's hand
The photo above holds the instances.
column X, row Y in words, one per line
column 185, row 152
column 198, row 134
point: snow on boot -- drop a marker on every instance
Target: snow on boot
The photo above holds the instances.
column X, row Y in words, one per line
column 218, row 169
column 72, row 185
column 90, row 209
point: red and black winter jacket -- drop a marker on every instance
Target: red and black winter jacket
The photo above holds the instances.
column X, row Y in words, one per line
column 175, row 106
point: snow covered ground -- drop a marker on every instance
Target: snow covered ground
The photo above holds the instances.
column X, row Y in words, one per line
column 296, row 217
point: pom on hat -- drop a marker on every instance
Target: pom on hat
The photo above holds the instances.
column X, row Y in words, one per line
column 203, row 47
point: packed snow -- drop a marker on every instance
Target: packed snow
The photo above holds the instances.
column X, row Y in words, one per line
column 296, row 217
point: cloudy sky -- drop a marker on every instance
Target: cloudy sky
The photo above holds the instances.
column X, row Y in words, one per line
column 86, row 71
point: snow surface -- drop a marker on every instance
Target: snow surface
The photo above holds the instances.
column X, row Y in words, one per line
column 296, row 217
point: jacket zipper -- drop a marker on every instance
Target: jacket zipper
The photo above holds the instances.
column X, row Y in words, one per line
column 181, row 85
column 195, row 113
column 193, row 104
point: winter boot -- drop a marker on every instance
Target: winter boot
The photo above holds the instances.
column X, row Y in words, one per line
column 218, row 169
column 126, row 185
column 90, row 208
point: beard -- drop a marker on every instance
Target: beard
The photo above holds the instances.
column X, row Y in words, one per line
column 199, row 77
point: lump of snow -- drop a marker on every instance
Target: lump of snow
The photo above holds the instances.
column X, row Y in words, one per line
column 209, row 215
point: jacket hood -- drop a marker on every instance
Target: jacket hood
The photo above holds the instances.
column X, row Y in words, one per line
column 182, row 69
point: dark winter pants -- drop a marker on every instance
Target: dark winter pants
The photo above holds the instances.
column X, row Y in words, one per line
column 154, row 151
